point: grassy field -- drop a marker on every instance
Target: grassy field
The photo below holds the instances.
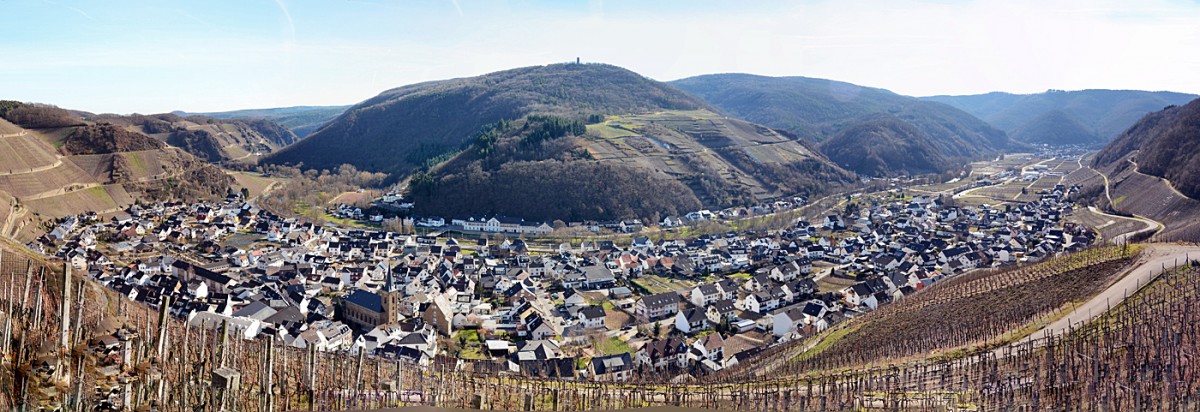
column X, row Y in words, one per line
column 612, row 346
column 255, row 183
column 468, row 344
column 609, row 132
column 834, row 284
column 659, row 284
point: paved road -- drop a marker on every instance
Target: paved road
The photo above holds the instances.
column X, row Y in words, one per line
column 1121, row 238
column 1148, row 267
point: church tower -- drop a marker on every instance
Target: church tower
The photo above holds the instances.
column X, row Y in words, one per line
column 390, row 296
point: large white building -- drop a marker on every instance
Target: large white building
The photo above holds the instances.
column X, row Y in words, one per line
column 500, row 224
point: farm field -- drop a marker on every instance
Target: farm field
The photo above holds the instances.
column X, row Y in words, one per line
column 98, row 166
column 831, row 283
column 689, row 143
column 1011, row 161
column 54, row 137
column 8, row 128
column 7, row 203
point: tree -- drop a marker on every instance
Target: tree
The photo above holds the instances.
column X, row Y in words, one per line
column 245, row 193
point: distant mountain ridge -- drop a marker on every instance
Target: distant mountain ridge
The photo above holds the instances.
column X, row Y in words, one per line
column 216, row 140
column 821, row 110
column 301, row 120
column 1102, row 113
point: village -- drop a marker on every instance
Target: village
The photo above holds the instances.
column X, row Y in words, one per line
column 593, row 310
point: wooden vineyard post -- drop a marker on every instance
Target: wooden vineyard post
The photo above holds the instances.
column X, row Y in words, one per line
column 268, row 386
column 64, row 339
column 312, row 377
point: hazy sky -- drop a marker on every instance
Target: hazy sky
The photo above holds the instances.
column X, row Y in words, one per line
column 152, row 56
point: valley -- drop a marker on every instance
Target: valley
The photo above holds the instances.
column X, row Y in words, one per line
column 584, row 231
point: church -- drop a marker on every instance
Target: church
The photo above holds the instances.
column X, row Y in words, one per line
column 366, row 310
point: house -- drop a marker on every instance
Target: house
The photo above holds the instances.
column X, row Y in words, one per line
column 787, row 320
column 439, row 315
column 657, row 306
column 591, row 317
column 663, row 353
column 691, row 320
column 703, row 295
column 721, row 310
column 597, row 277
column 502, row 224
column 711, row 347
column 612, row 368
column 834, row 222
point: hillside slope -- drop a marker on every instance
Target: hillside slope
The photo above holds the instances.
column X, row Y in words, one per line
column 1105, row 113
column 300, row 120
column 647, row 165
column 819, row 109
column 515, row 143
column 1055, row 128
column 1163, row 144
column 211, row 139
column 400, row 129
column 883, row 145
column 52, row 172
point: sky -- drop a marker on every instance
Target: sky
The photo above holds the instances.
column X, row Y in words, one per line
column 152, row 56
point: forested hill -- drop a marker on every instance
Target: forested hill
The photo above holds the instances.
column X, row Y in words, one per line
column 408, row 127
column 820, row 110
column 1165, row 144
column 1103, row 114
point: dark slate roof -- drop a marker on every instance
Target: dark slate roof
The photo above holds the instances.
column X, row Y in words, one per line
column 613, row 363
column 661, row 299
column 592, row 312
column 366, row 299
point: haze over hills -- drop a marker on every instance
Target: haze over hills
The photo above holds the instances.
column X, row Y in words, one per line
column 1102, row 113
column 664, row 151
column 301, row 120
column 821, row 110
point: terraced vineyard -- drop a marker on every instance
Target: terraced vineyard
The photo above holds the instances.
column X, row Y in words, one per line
column 1151, row 197
column 683, row 143
column 97, row 198
column 19, row 154
column 973, row 309
column 969, row 313
column 47, row 182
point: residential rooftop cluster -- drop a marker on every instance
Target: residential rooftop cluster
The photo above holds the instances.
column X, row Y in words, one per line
column 596, row 309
